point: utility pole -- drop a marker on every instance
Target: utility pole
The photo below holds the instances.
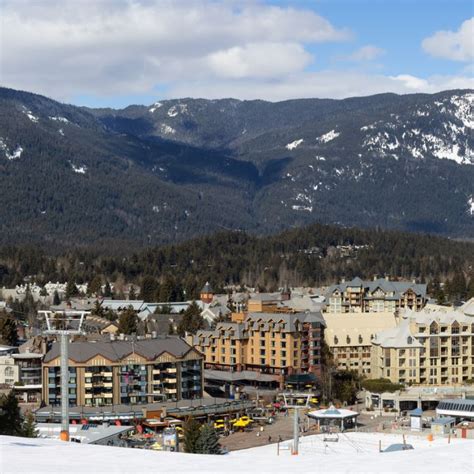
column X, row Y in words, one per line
column 57, row 325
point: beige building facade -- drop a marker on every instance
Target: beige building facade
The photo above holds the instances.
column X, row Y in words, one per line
column 349, row 337
column 271, row 343
column 427, row 347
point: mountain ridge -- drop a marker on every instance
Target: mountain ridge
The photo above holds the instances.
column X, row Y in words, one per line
column 185, row 167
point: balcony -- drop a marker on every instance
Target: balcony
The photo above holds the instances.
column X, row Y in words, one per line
column 171, row 390
column 170, row 380
column 171, row 370
column 156, row 372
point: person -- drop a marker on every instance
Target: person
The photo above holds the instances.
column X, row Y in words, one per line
column 269, row 439
column 280, row 439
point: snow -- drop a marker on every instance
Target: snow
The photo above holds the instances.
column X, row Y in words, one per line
column 16, row 153
column 320, row 158
column 60, row 119
column 176, row 109
column 470, row 204
column 327, row 137
column 79, row 169
column 154, row 107
column 30, row 115
column 295, row 144
column 354, row 452
column 166, row 129
column 61, row 132
column 463, row 105
column 302, row 208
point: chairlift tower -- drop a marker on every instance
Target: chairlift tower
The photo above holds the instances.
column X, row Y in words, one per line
column 296, row 401
column 64, row 324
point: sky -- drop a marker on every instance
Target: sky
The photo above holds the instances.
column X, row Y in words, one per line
column 112, row 53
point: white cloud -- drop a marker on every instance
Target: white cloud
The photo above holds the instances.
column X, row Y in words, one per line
column 259, row 60
column 454, row 45
column 334, row 84
column 125, row 47
column 367, row 53
column 206, row 48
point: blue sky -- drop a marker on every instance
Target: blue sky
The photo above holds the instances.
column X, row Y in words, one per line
column 118, row 52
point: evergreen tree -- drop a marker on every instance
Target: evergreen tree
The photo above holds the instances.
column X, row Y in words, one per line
column 10, row 417
column 128, row 321
column 192, row 320
column 149, row 289
column 71, row 289
column 95, row 286
column 29, row 426
column 131, row 294
column 208, row 441
column 470, row 288
column 107, row 290
column 191, row 431
column 56, row 298
column 8, row 330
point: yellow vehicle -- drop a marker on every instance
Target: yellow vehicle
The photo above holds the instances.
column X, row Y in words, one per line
column 219, row 424
column 313, row 401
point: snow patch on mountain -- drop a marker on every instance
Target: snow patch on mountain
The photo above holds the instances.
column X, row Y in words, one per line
column 464, row 105
column 295, row 144
column 167, row 130
column 15, row 154
column 319, row 158
column 176, row 109
column 327, row 137
column 30, row 115
column 79, row 169
column 296, row 207
column 470, row 205
column 154, row 107
column 61, row 132
column 60, row 119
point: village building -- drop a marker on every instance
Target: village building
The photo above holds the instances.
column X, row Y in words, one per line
column 125, row 372
column 427, row 347
column 379, row 295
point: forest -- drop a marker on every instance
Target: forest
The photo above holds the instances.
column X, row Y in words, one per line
column 311, row 256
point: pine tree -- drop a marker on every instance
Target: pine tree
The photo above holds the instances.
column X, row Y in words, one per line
column 107, row 290
column 56, row 299
column 10, row 416
column 470, row 288
column 149, row 289
column 95, row 286
column 128, row 321
column 191, row 435
column 192, row 320
column 71, row 289
column 8, row 330
column 29, row 426
column 208, row 441
column 131, row 294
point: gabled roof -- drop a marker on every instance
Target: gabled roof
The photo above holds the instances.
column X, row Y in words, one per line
column 207, row 288
column 117, row 350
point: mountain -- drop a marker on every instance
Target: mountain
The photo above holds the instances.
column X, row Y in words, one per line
column 179, row 168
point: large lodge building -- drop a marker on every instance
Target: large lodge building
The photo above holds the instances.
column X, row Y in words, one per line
column 125, row 372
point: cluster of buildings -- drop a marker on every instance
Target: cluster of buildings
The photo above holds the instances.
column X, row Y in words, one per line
column 378, row 328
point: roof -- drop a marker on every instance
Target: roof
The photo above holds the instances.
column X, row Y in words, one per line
column 398, row 337
column 387, row 286
column 241, row 376
column 333, row 412
column 207, row 288
column 447, row 420
column 117, row 350
column 116, row 305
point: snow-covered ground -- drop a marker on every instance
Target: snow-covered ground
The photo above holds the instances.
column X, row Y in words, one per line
column 355, row 452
